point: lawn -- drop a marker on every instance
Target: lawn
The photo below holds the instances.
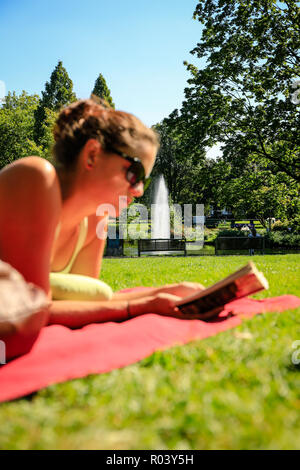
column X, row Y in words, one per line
column 237, row 390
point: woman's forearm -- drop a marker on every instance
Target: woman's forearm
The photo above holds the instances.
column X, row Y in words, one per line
column 74, row 314
column 149, row 291
column 183, row 289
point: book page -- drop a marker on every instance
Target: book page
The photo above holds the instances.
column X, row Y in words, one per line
column 243, row 282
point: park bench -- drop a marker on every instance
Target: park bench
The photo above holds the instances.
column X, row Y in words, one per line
column 239, row 243
column 212, row 223
column 161, row 244
column 114, row 247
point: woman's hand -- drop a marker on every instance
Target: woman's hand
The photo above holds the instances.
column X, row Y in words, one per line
column 163, row 304
column 181, row 290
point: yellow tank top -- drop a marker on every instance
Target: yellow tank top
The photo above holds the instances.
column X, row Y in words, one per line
column 80, row 242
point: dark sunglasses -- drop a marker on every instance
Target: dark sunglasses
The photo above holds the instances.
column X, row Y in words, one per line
column 136, row 171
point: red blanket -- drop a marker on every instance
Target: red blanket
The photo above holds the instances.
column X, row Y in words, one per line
column 61, row 354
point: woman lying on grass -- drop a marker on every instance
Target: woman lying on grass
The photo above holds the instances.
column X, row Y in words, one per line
column 101, row 154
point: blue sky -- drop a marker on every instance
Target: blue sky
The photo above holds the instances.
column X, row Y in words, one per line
column 138, row 45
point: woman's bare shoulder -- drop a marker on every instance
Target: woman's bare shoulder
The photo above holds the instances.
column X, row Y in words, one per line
column 30, row 207
column 29, row 165
column 29, row 171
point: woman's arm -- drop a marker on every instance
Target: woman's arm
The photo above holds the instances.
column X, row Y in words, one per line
column 76, row 314
column 181, row 290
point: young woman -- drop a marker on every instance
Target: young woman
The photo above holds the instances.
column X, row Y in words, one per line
column 48, row 213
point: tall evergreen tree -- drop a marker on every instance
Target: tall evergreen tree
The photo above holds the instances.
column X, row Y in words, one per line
column 58, row 92
column 102, row 91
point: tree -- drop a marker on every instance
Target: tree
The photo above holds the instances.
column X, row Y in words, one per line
column 58, row 93
column 17, row 127
column 258, row 193
column 242, row 96
column 102, row 91
column 47, row 139
column 178, row 162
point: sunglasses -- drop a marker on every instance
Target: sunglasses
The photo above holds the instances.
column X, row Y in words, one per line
column 135, row 172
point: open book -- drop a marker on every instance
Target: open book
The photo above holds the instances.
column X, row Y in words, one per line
column 209, row 302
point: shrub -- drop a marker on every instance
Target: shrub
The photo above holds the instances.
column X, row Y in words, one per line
column 283, row 239
column 295, row 224
column 280, row 226
column 232, row 233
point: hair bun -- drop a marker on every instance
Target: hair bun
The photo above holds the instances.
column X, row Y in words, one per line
column 95, row 119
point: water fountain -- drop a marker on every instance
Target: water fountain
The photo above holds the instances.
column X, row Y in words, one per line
column 161, row 241
column 160, row 217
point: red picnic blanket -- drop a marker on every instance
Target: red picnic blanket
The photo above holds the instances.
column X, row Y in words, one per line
column 62, row 354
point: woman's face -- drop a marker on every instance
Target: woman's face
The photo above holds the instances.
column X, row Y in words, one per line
column 111, row 170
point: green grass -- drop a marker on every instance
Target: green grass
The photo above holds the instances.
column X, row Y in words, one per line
column 236, row 390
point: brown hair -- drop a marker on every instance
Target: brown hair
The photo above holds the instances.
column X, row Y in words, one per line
column 87, row 119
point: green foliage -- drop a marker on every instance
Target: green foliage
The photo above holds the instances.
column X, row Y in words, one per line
column 58, row 93
column 280, row 226
column 17, row 127
column 283, row 239
column 295, row 223
column 232, row 233
column 181, row 167
column 102, row 91
column 259, row 193
column 47, row 139
column 242, row 97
